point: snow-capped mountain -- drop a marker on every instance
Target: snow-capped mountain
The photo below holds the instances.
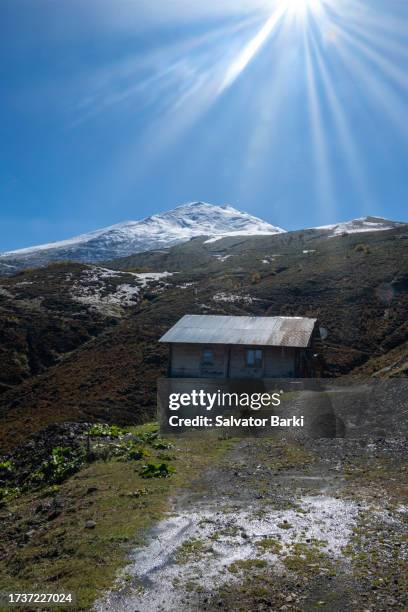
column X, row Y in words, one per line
column 362, row 224
column 155, row 232
column 167, row 229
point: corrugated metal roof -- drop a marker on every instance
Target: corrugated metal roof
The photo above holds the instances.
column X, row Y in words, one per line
column 260, row 331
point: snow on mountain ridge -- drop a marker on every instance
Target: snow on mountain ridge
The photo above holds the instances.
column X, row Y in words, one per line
column 157, row 231
column 359, row 225
column 167, row 229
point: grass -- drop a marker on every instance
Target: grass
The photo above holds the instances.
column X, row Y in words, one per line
column 269, row 545
column 259, row 590
column 308, row 558
column 381, row 473
column 192, row 550
column 61, row 554
column 285, row 455
column 375, row 548
column 245, row 565
column 259, row 587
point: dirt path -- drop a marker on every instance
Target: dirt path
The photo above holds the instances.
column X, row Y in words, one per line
column 274, row 525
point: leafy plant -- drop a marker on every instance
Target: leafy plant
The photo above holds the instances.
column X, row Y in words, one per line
column 153, row 439
column 6, row 467
column 157, row 470
column 161, row 445
column 8, row 493
column 135, row 453
column 100, row 430
column 62, row 463
column 127, row 451
column 148, row 437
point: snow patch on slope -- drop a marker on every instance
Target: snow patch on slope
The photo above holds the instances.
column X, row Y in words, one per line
column 233, row 299
column 149, row 277
column 110, row 291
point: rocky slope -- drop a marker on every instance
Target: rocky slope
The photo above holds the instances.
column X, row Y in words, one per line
column 48, row 313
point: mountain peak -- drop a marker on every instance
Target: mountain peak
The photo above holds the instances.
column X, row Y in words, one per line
column 166, row 229
column 158, row 231
column 360, row 225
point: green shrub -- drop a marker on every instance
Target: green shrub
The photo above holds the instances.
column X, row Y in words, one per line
column 255, row 278
column 101, row 430
column 153, row 439
column 157, row 470
column 362, row 248
column 6, row 467
column 62, row 463
column 134, row 453
column 8, row 493
column 161, row 445
column 148, row 437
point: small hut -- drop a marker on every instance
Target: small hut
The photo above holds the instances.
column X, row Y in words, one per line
column 212, row 346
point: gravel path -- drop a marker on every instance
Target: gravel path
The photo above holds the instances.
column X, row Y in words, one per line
column 274, row 525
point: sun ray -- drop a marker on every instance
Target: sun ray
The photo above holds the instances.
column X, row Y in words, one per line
column 352, row 158
column 325, row 34
column 251, row 49
column 365, row 15
column 377, row 39
column 398, row 75
column 323, row 174
column 378, row 93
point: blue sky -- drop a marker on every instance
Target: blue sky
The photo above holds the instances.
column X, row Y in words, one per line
column 292, row 110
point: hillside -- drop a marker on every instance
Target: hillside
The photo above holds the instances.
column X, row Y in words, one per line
column 356, row 284
column 46, row 314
